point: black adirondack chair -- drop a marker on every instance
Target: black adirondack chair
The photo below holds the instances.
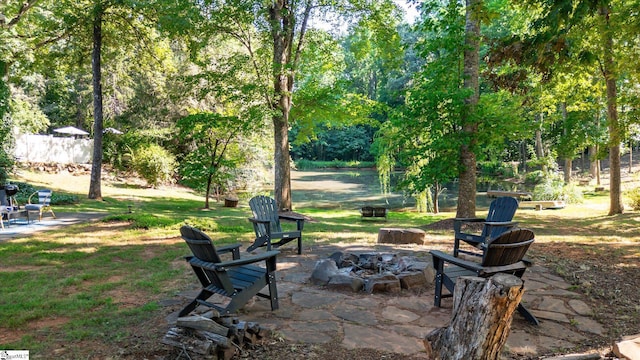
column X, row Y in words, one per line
column 266, row 225
column 238, row 279
column 503, row 254
column 498, row 220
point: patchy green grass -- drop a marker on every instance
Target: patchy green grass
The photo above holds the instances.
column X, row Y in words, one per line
column 102, row 283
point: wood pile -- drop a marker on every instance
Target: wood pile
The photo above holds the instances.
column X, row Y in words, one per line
column 212, row 336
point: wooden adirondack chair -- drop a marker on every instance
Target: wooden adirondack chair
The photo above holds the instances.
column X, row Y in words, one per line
column 498, row 220
column 238, row 279
column 503, row 254
column 266, row 225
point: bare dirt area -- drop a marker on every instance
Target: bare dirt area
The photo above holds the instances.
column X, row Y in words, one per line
column 607, row 276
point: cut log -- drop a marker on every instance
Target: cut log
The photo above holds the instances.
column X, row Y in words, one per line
column 401, row 236
column 590, row 356
column 629, row 348
column 202, row 323
column 182, row 339
column 481, row 320
column 219, row 340
column 223, row 337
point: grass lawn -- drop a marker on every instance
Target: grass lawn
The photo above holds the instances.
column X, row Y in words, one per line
column 94, row 289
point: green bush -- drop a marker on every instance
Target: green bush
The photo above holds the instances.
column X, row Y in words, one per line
column 534, row 177
column 633, row 198
column 553, row 189
column 25, row 190
column 155, row 164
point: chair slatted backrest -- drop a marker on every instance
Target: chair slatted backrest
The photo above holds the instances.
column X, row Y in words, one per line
column 202, row 248
column 508, row 248
column 265, row 208
column 200, row 244
column 44, row 197
column 501, row 209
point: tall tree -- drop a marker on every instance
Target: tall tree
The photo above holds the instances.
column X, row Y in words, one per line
column 95, row 189
column 467, row 190
column 287, row 23
column 562, row 29
column 288, row 41
column 105, row 29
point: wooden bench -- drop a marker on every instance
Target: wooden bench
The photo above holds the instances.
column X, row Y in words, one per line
column 373, row 212
column 539, row 205
column 515, row 194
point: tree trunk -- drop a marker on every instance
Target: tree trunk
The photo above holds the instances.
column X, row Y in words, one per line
column 630, row 156
column 467, row 189
column 539, row 146
column 207, row 194
column 523, row 156
column 594, row 168
column 282, row 27
column 615, row 195
column 436, row 202
column 568, row 163
column 482, row 314
column 95, row 191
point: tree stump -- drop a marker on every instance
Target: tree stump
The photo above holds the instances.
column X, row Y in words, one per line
column 481, row 320
column 401, row 236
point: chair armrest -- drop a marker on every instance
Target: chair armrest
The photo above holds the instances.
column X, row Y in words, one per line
column 470, row 265
column 259, row 221
column 30, row 196
column 234, row 249
column 227, row 248
column 299, row 220
column 469, row 219
column 457, row 223
column 237, row 262
column 290, row 217
column 489, row 270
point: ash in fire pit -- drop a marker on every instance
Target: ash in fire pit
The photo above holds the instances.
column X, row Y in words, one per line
column 373, row 272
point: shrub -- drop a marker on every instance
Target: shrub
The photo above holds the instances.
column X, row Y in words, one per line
column 155, row 164
column 25, row 190
column 633, row 198
column 554, row 189
column 534, row 177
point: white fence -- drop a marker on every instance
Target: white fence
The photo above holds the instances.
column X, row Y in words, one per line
column 50, row 149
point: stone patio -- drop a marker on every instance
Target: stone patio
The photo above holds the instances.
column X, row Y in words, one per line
column 398, row 322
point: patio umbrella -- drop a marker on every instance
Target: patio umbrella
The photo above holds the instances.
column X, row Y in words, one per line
column 71, row 130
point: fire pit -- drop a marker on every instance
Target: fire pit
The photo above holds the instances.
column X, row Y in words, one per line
column 373, row 272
